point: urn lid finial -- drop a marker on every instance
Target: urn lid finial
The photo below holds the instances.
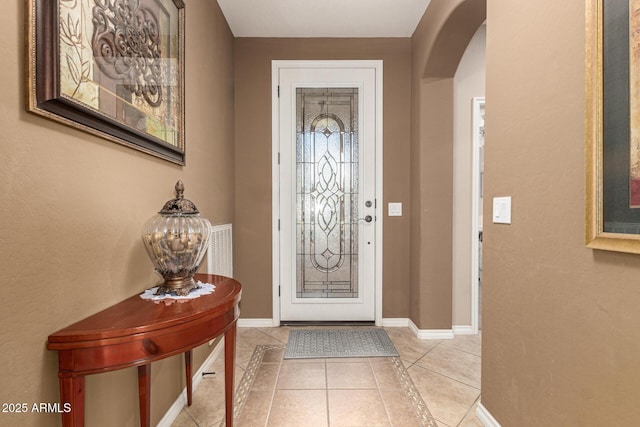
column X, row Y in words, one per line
column 179, row 205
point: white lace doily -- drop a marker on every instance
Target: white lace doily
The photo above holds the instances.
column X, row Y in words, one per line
column 202, row 289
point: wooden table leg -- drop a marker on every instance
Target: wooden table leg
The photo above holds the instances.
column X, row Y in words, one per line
column 72, row 397
column 229, row 369
column 187, row 365
column 144, row 394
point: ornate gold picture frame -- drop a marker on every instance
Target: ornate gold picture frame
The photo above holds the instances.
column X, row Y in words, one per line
column 113, row 68
column 612, row 216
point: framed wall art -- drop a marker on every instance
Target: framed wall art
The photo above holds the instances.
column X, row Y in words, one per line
column 114, row 68
column 613, row 125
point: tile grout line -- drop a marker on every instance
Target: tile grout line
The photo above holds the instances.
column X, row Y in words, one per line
column 463, row 351
column 453, row 347
column 272, row 337
column 468, row 411
column 447, row 376
column 416, row 363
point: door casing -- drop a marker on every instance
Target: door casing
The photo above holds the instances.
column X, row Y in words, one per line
column 477, row 105
column 377, row 65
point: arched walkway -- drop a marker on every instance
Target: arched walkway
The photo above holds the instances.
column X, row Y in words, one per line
column 437, row 47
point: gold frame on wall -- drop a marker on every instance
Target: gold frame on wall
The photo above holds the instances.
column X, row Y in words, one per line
column 111, row 68
column 606, row 170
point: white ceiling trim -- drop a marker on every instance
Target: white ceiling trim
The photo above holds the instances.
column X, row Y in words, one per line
column 323, row 18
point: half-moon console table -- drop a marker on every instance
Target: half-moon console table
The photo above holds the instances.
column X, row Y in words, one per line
column 136, row 332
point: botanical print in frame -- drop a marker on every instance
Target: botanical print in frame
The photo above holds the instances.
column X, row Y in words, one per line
column 112, row 67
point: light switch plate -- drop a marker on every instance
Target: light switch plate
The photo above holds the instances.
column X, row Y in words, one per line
column 502, row 210
column 395, row 209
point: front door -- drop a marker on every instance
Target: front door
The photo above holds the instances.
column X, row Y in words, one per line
column 327, row 199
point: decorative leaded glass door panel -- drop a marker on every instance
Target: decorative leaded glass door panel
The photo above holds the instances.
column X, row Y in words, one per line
column 327, row 193
column 327, row 200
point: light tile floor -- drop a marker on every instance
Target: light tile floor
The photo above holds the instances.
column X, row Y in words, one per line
column 445, row 372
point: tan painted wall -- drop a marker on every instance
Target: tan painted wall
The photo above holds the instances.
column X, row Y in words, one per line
column 253, row 160
column 72, row 210
column 560, row 337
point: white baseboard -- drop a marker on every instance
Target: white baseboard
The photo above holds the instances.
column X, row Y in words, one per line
column 268, row 323
column 175, row 409
column 256, row 323
column 401, row 322
column 431, row 334
column 485, row 417
column 463, row 330
column 425, row 334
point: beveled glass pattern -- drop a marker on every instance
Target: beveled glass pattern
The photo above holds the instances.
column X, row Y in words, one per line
column 327, row 192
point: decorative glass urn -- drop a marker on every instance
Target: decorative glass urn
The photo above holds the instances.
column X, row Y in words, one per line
column 176, row 240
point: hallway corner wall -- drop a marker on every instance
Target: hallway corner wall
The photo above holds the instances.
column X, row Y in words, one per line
column 560, row 338
column 438, row 44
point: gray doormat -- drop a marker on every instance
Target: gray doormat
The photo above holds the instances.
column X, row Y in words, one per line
column 325, row 343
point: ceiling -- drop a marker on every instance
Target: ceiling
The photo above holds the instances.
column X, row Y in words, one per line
column 323, row 18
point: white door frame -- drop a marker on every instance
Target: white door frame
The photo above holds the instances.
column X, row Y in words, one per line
column 476, row 209
column 275, row 196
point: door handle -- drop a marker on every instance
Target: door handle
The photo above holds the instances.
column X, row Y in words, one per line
column 367, row 218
